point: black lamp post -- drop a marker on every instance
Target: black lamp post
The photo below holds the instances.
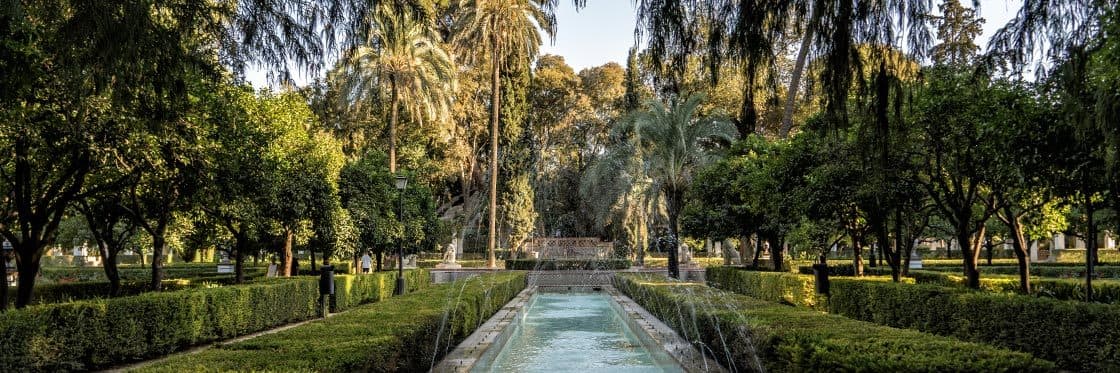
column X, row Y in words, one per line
column 4, row 255
column 401, row 183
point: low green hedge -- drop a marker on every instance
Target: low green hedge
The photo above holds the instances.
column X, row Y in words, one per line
column 89, row 334
column 1041, row 270
column 958, row 263
column 779, row 287
column 847, row 269
column 410, row 333
column 1076, row 335
column 1104, row 291
column 565, row 264
column 73, row 291
column 747, row 334
column 179, row 271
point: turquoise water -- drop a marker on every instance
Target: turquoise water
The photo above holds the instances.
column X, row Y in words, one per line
column 576, row 332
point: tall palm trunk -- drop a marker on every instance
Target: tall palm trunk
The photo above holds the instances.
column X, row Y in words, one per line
column 795, row 77
column 393, row 107
column 495, row 102
column 674, row 200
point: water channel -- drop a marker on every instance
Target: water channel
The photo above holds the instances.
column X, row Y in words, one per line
column 576, row 332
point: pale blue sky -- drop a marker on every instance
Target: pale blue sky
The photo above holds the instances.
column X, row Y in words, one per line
column 604, row 31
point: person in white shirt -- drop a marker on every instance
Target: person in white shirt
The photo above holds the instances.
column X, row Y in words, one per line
column 366, row 262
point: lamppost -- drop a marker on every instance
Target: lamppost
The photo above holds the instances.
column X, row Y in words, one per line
column 401, row 183
column 4, row 255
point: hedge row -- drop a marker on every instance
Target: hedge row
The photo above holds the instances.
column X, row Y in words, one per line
column 1076, row 335
column 410, row 333
column 958, row 263
column 73, row 291
column 1104, row 291
column 1041, row 270
column 565, row 264
column 747, row 334
column 178, row 271
column 84, row 335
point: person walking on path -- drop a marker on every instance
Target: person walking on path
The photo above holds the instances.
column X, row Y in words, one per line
column 366, row 262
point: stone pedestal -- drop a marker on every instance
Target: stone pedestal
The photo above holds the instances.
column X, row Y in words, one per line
column 448, row 266
column 1033, row 251
column 1059, row 243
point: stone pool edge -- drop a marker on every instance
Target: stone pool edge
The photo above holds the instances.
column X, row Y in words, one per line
column 495, row 332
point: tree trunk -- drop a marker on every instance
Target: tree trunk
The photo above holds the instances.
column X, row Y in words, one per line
column 238, row 263
column 29, row 253
column 777, row 258
column 495, row 104
column 393, row 127
column 795, row 78
column 989, row 247
column 757, row 250
column 673, row 199
column 893, row 258
column 286, row 263
column 4, row 294
column 857, row 256
column 1019, row 244
column 109, row 263
column 159, row 243
column 1090, row 247
column 379, row 259
column 968, row 252
column 312, row 258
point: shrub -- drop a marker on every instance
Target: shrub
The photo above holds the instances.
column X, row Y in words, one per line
column 1104, row 291
column 178, row 271
column 847, row 269
column 1076, row 335
column 1041, row 270
column 957, row 263
column 747, row 334
column 88, row 334
column 410, row 333
column 566, row 264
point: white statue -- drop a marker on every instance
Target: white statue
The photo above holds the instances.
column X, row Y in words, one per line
column 449, row 256
column 410, row 261
column 449, row 253
column 684, row 254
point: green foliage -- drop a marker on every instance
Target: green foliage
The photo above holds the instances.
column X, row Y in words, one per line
column 1016, row 322
column 746, row 334
column 84, row 335
column 408, row 333
column 566, row 264
column 367, row 192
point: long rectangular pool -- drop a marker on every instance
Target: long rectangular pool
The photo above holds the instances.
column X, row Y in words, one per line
column 575, row 332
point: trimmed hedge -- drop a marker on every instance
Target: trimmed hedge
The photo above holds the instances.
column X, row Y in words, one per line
column 566, row 264
column 409, row 333
column 73, row 291
column 1041, row 270
column 747, row 334
column 1104, row 291
column 84, row 335
column 179, row 271
column 1076, row 335
column 958, row 263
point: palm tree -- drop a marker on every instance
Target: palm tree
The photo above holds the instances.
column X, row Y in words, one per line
column 402, row 57
column 505, row 32
column 675, row 143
